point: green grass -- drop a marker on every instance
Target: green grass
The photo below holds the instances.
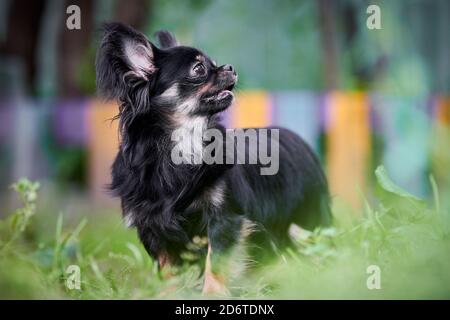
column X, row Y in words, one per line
column 406, row 237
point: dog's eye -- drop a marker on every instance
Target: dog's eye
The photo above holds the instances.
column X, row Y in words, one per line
column 199, row 69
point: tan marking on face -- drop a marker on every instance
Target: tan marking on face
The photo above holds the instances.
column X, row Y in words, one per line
column 204, row 88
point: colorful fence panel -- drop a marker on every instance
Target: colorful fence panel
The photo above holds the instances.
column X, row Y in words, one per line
column 405, row 128
column 252, row 109
column 348, row 144
column 70, row 122
column 440, row 147
column 414, row 135
column 299, row 112
column 103, row 146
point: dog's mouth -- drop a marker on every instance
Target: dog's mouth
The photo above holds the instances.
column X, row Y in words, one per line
column 221, row 94
column 226, row 93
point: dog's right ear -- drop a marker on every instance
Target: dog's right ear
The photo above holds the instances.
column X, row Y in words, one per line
column 166, row 39
column 125, row 58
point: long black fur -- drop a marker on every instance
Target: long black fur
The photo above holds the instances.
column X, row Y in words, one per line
column 170, row 204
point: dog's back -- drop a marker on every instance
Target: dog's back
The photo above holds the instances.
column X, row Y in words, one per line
column 297, row 193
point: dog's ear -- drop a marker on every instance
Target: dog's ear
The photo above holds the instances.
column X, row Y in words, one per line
column 166, row 39
column 125, row 57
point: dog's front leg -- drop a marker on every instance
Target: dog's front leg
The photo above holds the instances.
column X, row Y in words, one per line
column 164, row 266
column 164, row 271
column 214, row 281
column 223, row 234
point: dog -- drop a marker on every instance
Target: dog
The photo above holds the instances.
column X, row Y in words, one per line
column 167, row 88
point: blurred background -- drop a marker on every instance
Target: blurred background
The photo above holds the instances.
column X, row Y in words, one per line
column 360, row 97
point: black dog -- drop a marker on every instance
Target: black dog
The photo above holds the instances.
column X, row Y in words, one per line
column 172, row 87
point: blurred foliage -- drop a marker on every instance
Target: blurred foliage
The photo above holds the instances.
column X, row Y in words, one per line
column 272, row 44
column 278, row 44
column 408, row 238
column 71, row 167
column 27, row 192
column 86, row 73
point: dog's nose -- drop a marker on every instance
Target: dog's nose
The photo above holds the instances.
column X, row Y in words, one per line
column 228, row 67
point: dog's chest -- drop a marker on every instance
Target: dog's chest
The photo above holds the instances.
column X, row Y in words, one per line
column 189, row 139
column 210, row 199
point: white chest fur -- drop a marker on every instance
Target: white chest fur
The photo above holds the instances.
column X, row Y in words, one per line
column 188, row 140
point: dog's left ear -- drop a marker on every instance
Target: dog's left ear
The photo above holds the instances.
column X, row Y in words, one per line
column 166, row 39
column 125, row 57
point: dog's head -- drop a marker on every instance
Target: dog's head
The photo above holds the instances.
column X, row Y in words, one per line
column 178, row 79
